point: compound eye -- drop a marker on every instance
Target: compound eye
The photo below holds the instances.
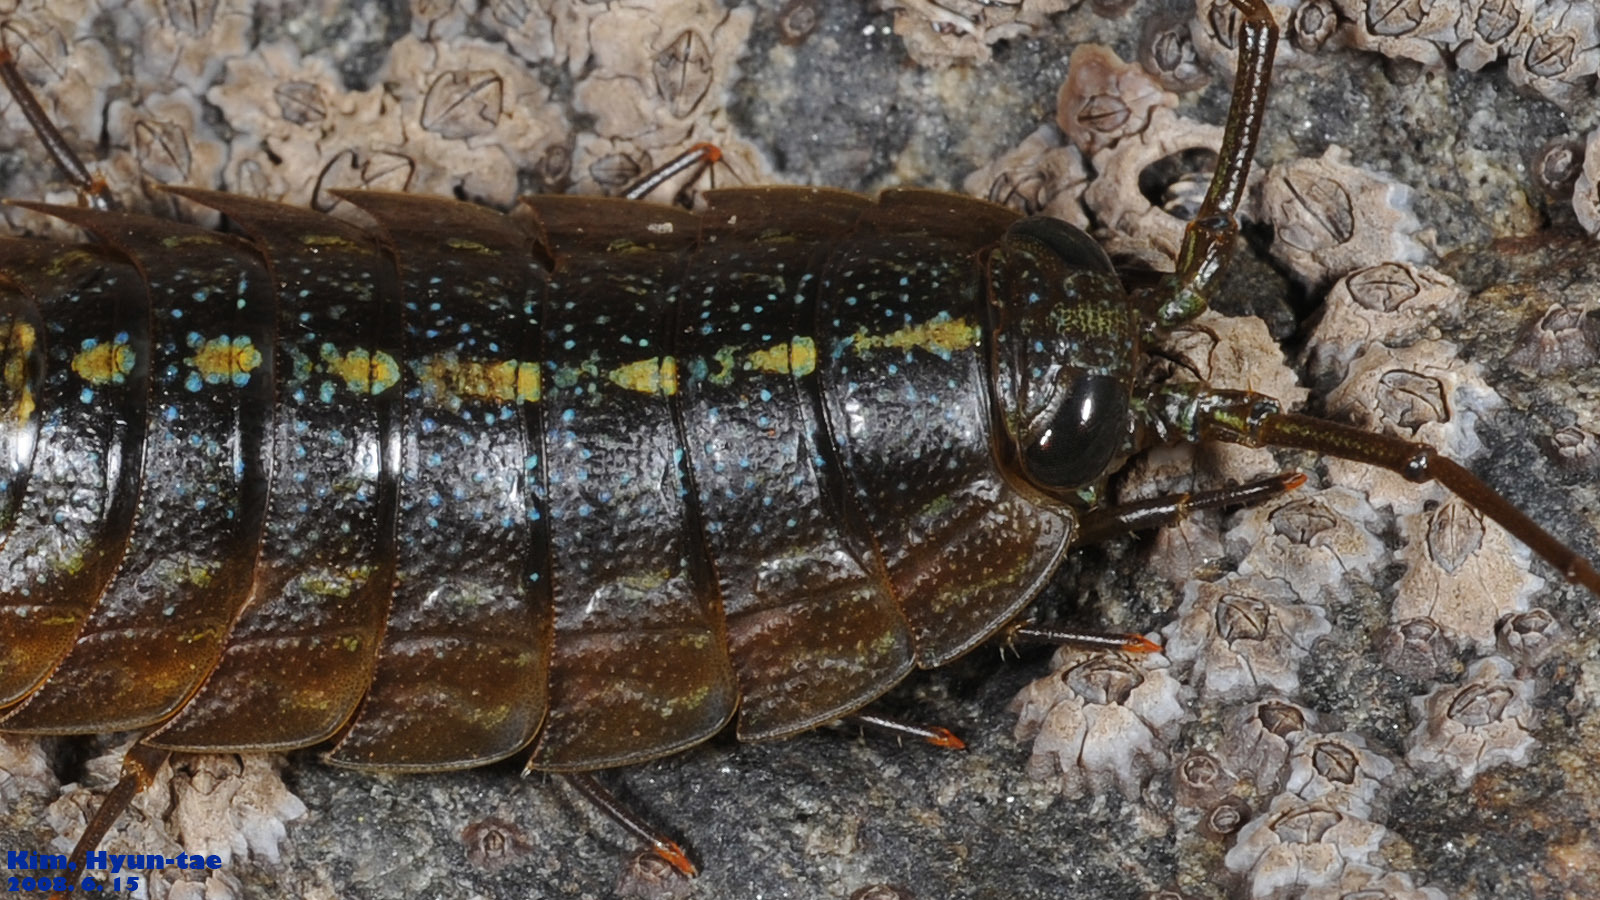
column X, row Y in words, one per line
column 1077, row 443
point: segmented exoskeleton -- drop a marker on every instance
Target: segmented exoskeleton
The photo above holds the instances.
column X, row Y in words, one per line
column 597, row 478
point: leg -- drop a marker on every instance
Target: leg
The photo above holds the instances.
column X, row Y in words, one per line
column 1208, row 241
column 939, row 737
column 92, row 190
column 1197, row 413
column 696, row 159
column 1108, row 522
column 139, row 768
column 666, row 848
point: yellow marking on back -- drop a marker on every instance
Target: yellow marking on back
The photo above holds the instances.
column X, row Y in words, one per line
column 508, row 381
column 803, row 356
column 656, row 375
column 17, row 346
column 60, row 264
column 470, row 246
column 362, row 372
column 798, row 357
column 224, row 359
column 328, row 241
column 774, row 360
column 943, row 336
column 174, row 241
column 104, row 363
column 723, row 376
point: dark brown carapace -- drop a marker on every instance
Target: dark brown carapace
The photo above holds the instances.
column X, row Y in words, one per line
column 586, row 482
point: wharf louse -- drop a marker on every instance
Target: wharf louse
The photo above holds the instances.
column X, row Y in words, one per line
column 407, row 369
column 513, row 428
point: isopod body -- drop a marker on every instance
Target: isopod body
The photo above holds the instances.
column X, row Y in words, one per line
column 482, row 481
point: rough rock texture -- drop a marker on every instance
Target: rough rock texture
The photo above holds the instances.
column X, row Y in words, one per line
column 1244, row 793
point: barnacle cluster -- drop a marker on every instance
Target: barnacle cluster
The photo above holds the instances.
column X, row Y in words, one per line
column 437, row 112
column 1552, row 49
column 946, row 32
column 1100, row 722
column 227, row 806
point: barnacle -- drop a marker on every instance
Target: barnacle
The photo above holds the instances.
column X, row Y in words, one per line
column 940, row 33
column 1258, row 738
column 796, row 20
column 1313, row 25
column 1100, row 723
column 1362, row 881
column 1105, row 100
column 1416, row 648
column 1340, row 770
column 295, row 127
column 1484, row 722
column 1331, row 217
column 690, row 45
column 1562, row 338
column 1040, row 176
column 1586, row 189
column 1141, row 227
column 1462, row 574
column 1166, row 50
column 187, row 43
column 70, row 75
column 1392, row 303
column 1575, row 449
column 493, row 843
column 1199, row 780
column 1417, row 30
column 24, row 769
column 1529, row 638
column 438, row 20
column 71, row 78
column 231, row 806
column 1228, row 352
column 647, row 876
column 1224, row 819
column 471, row 115
column 1424, row 392
column 1556, row 166
column 1558, row 54
column 1297, row 843
column 164, row 138
column 1243, row 636
column 1309, row 26
column 652, row 105
column 1488, row 30
column 1312, row 540
column 1236, row 353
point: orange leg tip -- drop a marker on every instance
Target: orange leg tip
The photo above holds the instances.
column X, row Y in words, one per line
column 710, row 151
column 945, row 739
column 1138, row 643
column 1294, row 481
column 675, row 857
